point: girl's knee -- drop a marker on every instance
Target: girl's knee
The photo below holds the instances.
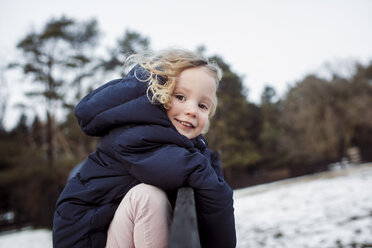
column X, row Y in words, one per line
column 150, row 194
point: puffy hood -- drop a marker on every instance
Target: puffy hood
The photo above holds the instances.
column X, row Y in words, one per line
column 119, row 102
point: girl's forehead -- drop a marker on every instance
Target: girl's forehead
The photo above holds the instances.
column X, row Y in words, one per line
column 200, row 74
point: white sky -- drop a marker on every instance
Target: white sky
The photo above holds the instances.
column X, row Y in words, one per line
column 266, row 41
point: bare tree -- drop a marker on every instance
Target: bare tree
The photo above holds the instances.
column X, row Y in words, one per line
column 48, row 57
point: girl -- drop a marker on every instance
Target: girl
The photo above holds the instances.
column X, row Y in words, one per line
column 151, row 123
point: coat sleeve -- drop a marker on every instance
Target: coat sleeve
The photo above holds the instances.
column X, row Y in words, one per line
column 214, row 158
column 170, row 167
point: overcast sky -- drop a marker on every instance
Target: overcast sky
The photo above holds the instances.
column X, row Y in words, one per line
column 266, row 41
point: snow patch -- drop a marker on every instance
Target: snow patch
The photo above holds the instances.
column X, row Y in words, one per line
column 331, row 209
column 26, row 237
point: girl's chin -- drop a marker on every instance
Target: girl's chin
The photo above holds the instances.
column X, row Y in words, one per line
column 189, row 135
column 189, row 132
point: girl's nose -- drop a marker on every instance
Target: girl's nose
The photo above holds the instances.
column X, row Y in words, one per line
column 191, row 109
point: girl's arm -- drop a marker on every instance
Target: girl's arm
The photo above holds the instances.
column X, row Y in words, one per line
column 215, row 162
column 170, row 167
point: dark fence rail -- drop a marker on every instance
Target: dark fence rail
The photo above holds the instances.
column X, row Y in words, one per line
column 184, row 228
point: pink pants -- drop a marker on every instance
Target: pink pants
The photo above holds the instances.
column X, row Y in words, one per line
column 141, row 220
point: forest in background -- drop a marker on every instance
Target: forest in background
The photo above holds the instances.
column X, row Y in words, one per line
column 316, row 123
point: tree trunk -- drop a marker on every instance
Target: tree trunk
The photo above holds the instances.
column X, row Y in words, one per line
column 51, row 139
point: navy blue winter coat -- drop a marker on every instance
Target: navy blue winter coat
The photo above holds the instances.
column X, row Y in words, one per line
column 139, row 145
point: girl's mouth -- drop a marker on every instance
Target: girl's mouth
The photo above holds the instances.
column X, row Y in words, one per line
column 187, row 124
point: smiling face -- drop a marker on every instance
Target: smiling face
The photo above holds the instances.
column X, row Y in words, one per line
column 192, row 101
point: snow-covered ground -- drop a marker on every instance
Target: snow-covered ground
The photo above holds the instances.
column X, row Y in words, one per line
column 26, row 238
column 331, row 209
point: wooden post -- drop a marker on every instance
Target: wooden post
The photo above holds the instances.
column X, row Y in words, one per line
column 184, row 228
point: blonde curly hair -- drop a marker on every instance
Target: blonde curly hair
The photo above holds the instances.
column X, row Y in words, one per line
column 164, row 69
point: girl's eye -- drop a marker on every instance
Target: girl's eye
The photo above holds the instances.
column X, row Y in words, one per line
column 180, row 97
column 203, row 106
